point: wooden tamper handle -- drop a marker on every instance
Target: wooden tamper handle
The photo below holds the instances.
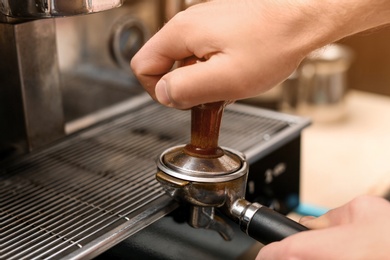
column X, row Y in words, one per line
column 205, row 124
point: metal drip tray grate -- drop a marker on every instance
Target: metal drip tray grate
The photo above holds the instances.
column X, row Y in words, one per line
column 92, row 190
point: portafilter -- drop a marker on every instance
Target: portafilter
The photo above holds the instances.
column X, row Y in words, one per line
column 209, row 177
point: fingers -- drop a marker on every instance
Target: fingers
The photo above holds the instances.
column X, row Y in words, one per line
column 305, row 219
column 316, row 244
column 359, row 208
column 211, row 35
column 150, row 64
column 239, row 63
column 299, row 246
column 357, row 230
column 333, row 217
column 159, row 54
column 213, row 80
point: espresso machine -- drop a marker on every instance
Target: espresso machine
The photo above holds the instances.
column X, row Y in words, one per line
column 81, row 142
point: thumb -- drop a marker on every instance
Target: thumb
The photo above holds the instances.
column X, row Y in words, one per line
column 203, row 82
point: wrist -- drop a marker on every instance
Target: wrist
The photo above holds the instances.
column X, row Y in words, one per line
column 311, row 24
column 353, row 16
column 337, row 19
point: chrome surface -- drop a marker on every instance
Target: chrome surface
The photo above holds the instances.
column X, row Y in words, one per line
column 127, row 37
column 205, row 182
column 53, row 72
column 30, row 95
column 88, row 192
column 244, row 212
column 318, row 88
column 204, row 217
column 53, row 8
column 94, row 55
column 238, row 207
column 176, row 163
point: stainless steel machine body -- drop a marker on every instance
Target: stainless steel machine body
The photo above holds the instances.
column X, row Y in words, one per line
column 94, row 189
column 42, row 8
column 55, row 71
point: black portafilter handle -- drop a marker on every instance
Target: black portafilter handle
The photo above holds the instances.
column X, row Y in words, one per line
column 264, row 224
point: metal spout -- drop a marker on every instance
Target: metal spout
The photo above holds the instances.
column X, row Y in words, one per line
column 204, row 217
column 204, row 191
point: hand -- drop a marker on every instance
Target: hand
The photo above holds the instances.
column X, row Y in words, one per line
column 357, row 230
column 248, row 46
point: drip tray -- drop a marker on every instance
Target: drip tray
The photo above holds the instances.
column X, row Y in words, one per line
column 87, row 193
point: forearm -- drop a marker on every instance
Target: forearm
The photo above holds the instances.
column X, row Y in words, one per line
column 332, row 20
column 354, row 16
column 311, row 24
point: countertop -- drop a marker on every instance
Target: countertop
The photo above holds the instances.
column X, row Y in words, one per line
column 348, row 157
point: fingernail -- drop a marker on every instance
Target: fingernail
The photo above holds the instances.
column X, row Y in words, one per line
column 306, row 219
column 162, row 93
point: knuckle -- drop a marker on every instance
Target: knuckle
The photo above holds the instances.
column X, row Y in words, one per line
column 359, row 206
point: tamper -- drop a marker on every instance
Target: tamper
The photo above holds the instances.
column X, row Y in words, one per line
column 207, row 177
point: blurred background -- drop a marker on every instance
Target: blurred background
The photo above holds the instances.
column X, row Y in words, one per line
column 370, row 70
